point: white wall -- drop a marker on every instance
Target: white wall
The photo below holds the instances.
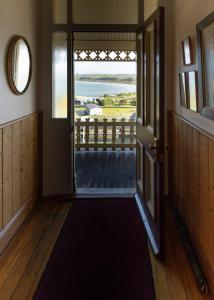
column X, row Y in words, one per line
column 17, row 17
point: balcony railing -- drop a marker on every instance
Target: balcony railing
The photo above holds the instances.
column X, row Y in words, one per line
column 105, row 134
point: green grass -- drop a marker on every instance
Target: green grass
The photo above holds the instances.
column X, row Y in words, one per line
column 79, row 108
column 115, row 112
column 111, row 112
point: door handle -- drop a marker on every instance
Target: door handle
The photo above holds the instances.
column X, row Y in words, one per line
column 154, row 146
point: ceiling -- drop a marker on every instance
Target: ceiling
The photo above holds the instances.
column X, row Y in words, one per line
column 104, row 41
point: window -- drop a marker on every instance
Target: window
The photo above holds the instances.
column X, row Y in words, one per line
column 205, row 34
column 59, row 75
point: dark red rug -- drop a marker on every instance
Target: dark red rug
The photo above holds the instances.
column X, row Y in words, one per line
column 101, row 254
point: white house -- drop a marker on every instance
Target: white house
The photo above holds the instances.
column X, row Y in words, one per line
column 93, row 110
column 79, row 102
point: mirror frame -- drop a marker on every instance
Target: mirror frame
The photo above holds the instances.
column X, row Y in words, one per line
column 11, row 48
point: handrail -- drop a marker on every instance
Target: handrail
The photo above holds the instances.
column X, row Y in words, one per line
column 105, row 134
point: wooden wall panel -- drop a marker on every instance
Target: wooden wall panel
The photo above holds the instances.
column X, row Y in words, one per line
column 16, row 167
column 192, row 184
column 19, row 165
column 37, row 158
column 7, row 174
column 25, row 160
column 33, row 154
column 211, row 193
column 1, row 180
column 19, row 173
column 203, row 203
column 194, row 178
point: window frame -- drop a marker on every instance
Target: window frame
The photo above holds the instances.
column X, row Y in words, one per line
column 204, row 108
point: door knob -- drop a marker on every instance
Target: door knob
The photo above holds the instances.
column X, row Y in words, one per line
column 154, row 145
column 71, row 130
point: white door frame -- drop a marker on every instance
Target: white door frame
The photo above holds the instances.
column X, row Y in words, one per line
column 58, row 134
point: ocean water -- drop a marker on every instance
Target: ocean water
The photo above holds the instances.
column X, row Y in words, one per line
column 98, row 89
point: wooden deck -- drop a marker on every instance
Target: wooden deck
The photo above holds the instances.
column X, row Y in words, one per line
column 22, row 263
column 105, row 169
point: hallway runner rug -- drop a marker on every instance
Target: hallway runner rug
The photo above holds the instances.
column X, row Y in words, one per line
column 101, row 254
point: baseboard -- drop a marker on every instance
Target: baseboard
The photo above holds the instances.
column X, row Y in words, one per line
column 15, row 223
column 206, row 267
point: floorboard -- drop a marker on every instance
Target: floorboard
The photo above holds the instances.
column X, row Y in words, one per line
column 25, row 258
column 105, row 169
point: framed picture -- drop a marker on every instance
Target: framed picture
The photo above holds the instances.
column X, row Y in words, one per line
column 192, row 90
column 183, row 89
column 187, row 51
column 205, row 44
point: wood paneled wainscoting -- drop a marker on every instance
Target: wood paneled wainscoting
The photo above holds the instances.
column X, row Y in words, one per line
column 20, row 158
column 192, row 185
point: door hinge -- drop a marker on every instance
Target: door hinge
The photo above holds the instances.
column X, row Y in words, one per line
column 71, row 130
column 161, row 157
column 167, row 146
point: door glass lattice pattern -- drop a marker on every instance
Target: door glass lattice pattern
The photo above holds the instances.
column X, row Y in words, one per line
column 90, row 55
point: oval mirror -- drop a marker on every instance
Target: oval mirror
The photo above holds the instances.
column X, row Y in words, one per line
column 19, row 65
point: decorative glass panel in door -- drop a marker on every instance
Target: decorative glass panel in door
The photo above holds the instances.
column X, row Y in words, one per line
column 59, row 75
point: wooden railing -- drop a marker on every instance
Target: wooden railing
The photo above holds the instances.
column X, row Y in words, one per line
column 105, row 134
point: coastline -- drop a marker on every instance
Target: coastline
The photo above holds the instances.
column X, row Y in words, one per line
column 106, row 81
column 98, row 89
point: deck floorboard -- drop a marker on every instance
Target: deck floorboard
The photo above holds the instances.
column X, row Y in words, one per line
column 105, row 169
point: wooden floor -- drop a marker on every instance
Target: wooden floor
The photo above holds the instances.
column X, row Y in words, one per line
column 105, row 169
column 24, row 260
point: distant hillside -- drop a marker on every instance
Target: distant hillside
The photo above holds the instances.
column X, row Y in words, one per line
column 111, row 78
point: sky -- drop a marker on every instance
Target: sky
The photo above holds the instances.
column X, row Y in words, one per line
column 105, row 68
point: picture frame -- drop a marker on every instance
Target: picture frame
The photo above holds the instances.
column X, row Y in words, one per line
column 183, row 89
column 205, row 50
column 187, row 50
column 192, row 90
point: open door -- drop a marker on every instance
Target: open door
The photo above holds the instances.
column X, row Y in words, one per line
column 60, row 118
column 150, row 128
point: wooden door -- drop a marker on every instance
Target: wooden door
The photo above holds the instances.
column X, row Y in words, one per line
column 150, row 127
column 60, row 133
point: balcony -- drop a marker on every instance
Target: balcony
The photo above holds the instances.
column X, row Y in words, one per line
column 105, row 155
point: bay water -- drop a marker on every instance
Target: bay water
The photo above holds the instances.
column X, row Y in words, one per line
column 98, row 89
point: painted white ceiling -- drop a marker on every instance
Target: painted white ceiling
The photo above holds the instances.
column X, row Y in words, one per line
column 104, row 41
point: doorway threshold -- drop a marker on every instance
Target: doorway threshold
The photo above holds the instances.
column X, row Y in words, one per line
column 106, row 192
